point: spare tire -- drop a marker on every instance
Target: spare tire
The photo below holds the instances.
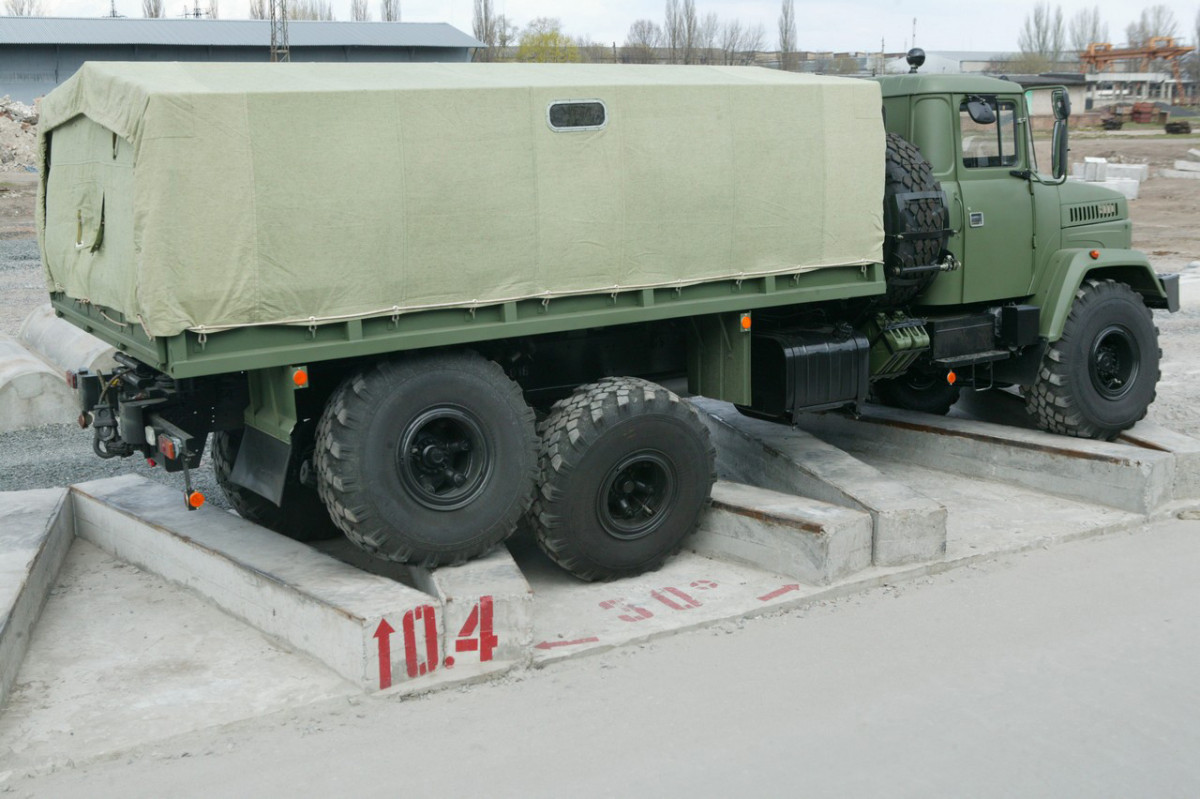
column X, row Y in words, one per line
column 912, row 204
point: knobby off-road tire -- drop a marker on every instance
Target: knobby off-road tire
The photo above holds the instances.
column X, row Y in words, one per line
column 302, row 516
column 1099, row 378
column 907, row 171
column 917, row 391
column 429, row 460
column 626, row 469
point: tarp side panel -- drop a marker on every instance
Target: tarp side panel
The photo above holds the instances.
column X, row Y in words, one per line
column 89, row 226
column 470, row 197
column 677, row 159
column 195, row 214
column 329, row 204
column 854, row 158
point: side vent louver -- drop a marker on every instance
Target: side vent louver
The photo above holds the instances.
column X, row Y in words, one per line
column 1082, row 214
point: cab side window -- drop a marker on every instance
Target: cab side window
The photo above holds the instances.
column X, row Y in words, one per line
column 994, row 144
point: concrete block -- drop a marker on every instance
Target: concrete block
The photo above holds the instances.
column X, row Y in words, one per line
column 487, row 610
column 1188, row 166
column 373, row 631
column 31, row 393
column 1194, row 154
column 1185, row 482
column 1128, row 171
column 1178, row 173
column 907, row 527
column 1105, row 473
column 36, row 534
column 1126, row 186
column 811, row 541
column 62, row 345
column 1095, row 169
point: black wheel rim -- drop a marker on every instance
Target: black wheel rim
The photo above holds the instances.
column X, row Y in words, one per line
column 1114, row 362
column 443, row 459
column 636, row 496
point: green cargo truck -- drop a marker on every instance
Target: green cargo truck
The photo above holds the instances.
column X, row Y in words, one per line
column 417, row 303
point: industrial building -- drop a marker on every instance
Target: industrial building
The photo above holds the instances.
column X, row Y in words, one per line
column 38, row 53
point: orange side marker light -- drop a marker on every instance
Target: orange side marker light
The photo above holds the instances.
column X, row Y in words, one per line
column 1095, row 255
column 300, row 377
column 951, row 378
column 746, row 322
column 195, row 499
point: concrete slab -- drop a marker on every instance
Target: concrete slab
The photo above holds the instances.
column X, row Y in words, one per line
column 338, row 614
column 1113, row 474
column 123, row 658
column 908, row 528
column 31, row 393
column 1194, row 154
column 811, row 541
column 1178, row 173
column 1185, row 481
column 1137, row 172
column 36, row 533
column 62, row 345
column 1126, row 186
column 1188, row 166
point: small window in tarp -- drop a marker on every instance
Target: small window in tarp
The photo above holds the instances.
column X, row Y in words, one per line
column 577, row 115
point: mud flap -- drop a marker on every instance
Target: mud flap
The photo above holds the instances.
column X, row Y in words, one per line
column 262, row 464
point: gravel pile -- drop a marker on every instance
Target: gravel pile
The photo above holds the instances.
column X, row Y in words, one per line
column 18, row 136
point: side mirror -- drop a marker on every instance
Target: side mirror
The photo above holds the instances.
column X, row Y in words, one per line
column 1060, row 101
column 981, row 113
column 1058, row 157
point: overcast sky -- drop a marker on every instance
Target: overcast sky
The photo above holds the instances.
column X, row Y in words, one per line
column 847, row 25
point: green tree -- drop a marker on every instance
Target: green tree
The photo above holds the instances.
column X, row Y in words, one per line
column 543, row 42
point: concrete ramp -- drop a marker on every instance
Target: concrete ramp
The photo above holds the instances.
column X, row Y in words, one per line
column 62, row 345
column 35, row 533
column 31, row 393
column 1114, row 474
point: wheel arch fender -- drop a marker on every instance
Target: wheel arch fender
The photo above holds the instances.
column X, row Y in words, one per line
column 1054, row 292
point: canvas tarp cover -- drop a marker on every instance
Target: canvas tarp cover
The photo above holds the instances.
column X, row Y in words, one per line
column 209, row 196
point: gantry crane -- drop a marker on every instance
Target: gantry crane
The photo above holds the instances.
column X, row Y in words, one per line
column 1100, row 56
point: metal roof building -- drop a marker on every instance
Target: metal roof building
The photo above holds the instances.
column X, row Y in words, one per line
column 38, row 53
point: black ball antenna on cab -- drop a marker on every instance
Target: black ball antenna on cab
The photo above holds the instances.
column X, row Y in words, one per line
column 915, row 58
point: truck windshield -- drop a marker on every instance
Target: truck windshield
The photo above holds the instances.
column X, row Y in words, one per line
column 994, row 144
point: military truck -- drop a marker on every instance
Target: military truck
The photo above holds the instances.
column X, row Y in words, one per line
column 418, row 303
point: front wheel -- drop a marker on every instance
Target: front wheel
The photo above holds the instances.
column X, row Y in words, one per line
column 626, row 469
column 428, row 460
column 1100, row 376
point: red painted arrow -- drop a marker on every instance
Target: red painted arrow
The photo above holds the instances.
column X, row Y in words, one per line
column 778, row 592
column 553, row 644
column 384, row 633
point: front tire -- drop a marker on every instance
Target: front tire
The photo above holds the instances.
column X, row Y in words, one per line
column 429, row 460
column 626, row 469
column 1100, row 376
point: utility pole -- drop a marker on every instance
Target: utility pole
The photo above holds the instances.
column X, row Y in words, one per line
column 279, row 32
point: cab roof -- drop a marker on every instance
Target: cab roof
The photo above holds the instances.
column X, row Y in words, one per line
column 902, row 85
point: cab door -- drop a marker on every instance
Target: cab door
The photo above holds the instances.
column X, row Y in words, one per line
column 997, row 207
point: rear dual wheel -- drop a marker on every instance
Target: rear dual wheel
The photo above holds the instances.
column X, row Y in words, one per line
column 626, row 469
column 429, row 460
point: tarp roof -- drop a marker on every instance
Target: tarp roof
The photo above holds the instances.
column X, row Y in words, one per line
column 227, row 33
